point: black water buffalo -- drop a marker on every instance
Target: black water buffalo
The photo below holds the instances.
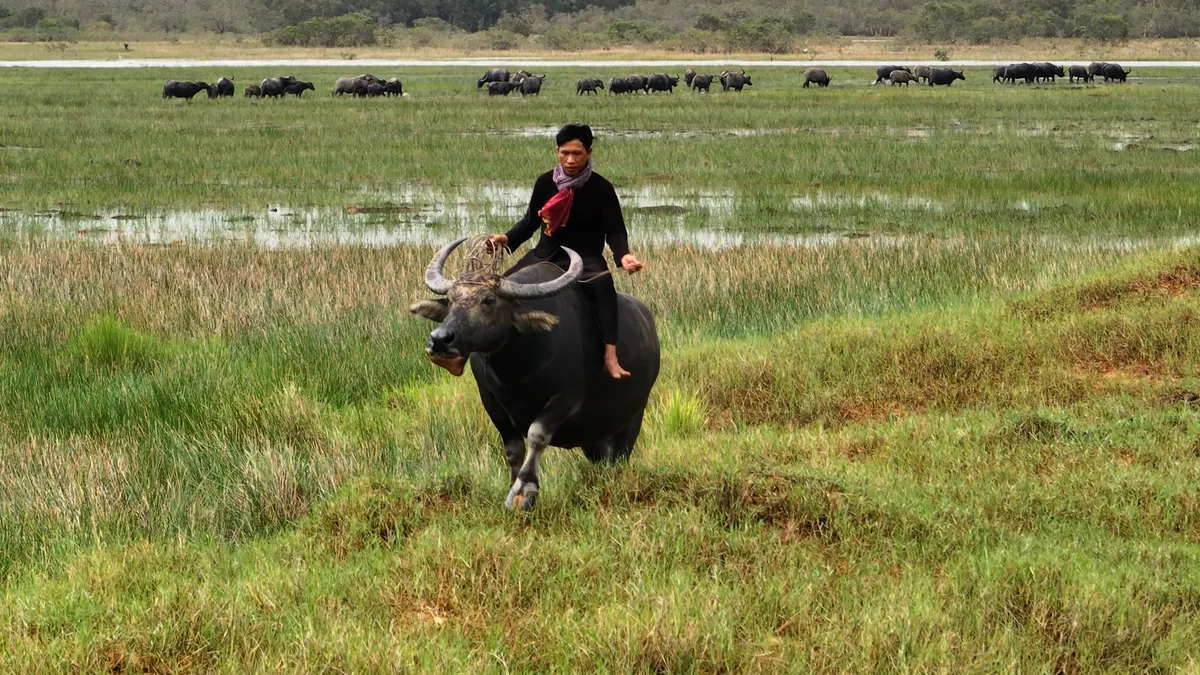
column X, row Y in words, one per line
column 638, row 83
column 688, row 75
column 521, row 74
column 298, row 88
column 1047, row 71
column 734, row 81
column 501, row 88
column 999, row 74
column 493, row 75
column 374, row 90
column 253, row 91
column 898, row 77
column 815, row 76
column 1080, row 72
column 1020, row 71
column 532, row 84
column 922, row 73
column 882, row 72
column 662, row 82
column 393, row 87
column 1096, row 68
column 619, row 85
column 354, row 85
column 534, row 352
column 702, row 83
column 276, row 87
column 1114, row 71
column 220, row 88
column 945, row 76
column 177, row 89
column 588, row 85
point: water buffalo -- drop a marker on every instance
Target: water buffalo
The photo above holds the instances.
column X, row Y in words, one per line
column 532, row 84
column 1114, row 71
column 702, row 83
column 688, row 75
column 393, row 87
column 298, row 87
column 354, row 85
column 1020, row 71
column 374, row 90
column 638, row 82
column 882, row 72
column 945, row 76
column 520, row 75
column 619, row 85
column 815, row 76
column 534, row 353
column 1096, row 68
column 734, row 81
column 493, row 75
column 1080, row 72
column 177, row 89
column 1047, row 71
column 501, row 88
column 999, row 74
column 901, row 77
column 222, row 87
column 662, row 82
column 253, row 91
column 276, row 87
column 589, row 85
column 922, row 73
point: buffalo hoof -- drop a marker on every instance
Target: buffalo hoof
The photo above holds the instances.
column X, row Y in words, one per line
column 522, row 496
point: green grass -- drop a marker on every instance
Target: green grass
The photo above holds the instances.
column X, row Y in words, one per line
column 971, row 448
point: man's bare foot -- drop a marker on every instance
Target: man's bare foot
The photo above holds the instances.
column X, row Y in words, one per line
column 612, row 365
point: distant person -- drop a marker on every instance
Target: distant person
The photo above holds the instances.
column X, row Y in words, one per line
column 578, row 209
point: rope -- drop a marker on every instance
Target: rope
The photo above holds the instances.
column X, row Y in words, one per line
column 483, row 257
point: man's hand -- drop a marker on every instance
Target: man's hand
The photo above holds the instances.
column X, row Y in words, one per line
column 630, row 263
column 498, row 241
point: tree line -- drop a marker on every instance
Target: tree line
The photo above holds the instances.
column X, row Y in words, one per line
column 687, row 25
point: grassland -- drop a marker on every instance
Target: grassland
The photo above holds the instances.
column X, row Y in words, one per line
column 968, row 447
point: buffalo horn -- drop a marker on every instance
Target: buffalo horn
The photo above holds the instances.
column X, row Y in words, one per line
column 515, row 291
column 434, row 279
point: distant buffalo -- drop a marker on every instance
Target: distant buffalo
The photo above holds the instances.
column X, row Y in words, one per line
column 735, row 80
column 222, row 87
column 177, row 89
column 1096, row 68
column 393, row 87
column 276, row 87
column 588, row 85
column 298, row 88
column 532, row 84
column 922, row 73
column 619, row 85
column 1047, row 71
column 374, row 90
column 1114, row 71
column 1080, row 72
column 521, row 74
column 501, row 88
column 702, row 82
column 945, row 76
column 638, row 83
column 662, row 82
column 903, row 77
column 493, row 75
column 253, row 91
column 999, row 74
column 1020, row 71
column 688, row 75
column 816, row 76
column 883, row 72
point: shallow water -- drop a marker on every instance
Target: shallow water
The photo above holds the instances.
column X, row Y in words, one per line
column 511, row 62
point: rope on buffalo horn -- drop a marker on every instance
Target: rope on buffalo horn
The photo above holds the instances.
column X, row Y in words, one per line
column 483, row 256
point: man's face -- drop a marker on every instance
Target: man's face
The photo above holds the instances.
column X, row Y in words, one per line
column 572, row 156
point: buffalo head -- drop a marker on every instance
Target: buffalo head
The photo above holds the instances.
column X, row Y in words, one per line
column 481, row 308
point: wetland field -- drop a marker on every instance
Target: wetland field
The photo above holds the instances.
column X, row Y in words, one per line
column 930, row 397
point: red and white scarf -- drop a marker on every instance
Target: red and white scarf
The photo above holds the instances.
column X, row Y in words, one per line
column 558, row 208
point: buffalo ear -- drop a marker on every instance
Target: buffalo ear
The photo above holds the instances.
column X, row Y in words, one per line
column 534, row 321
column 434, row 310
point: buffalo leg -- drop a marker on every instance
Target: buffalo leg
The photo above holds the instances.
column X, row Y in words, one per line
column 524, row 491
column 514, row 452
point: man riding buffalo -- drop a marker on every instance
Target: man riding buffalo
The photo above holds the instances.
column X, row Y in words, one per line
column 578, row 208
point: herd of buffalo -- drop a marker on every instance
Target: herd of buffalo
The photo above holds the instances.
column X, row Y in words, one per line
column 499, row 82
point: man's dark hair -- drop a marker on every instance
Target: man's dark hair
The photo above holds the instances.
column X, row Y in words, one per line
column 575, row 132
